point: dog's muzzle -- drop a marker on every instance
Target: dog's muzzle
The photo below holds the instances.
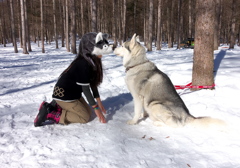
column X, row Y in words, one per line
column 113, row 46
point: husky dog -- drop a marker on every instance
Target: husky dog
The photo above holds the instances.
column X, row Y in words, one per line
column 153, row 91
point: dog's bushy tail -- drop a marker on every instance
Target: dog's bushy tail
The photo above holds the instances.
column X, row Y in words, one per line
column 208, row 123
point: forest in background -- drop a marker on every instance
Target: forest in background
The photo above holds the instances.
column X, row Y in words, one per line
column 169, row 21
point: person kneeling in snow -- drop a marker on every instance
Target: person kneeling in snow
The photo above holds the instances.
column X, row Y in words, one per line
column 82, row 75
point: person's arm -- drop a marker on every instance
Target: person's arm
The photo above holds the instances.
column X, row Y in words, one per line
column 98, row 110
column 95, row 92
column 97, row 96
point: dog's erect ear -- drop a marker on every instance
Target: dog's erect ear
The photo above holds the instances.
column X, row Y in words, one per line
column 137, row 38
column 99, row 37
column 133, row 41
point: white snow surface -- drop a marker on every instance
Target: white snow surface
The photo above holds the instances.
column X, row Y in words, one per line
column 27, row 80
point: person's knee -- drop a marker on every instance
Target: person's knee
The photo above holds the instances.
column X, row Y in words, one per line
column 85, row 119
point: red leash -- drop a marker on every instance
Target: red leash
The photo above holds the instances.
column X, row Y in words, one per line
column 190, row 86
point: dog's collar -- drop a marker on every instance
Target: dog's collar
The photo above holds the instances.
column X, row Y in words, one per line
column 135, row 66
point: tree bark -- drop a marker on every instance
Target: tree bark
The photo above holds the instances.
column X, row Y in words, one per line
column 2, row 21
column 119, row 20
column 19, row 23
column 179, row 23
column 67, row 27
column 63, row 22
column 27, row 27
column 124, row 20
column 94, row 15
column 233, row 25
column 217, row 25
column 42, row 26
column 170, row 24
column 13, row 27
column 203, row 49
column 24, row 38
column 150, row 26
column 190, row 19
column 55, row 23
column 159, row 26
column 114, row 33
column 145, row 24
column 82, row 18
column 73, row 27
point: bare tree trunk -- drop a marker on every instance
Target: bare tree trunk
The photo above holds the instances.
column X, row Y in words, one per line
column 13, row 27
column 217, row 22
column 239, row 35
column 19, row 23
column 73, row 27
column 63, row 21
column 190, row 19
column 170, row 24
column 120, row 21
column 82, row 18
column 179, row 23
column 233, row 25
column 42, row 26
column 54, row 23
column 134, row 16
column 124, row 20
column 114, row 23
column 27, row 27
column 203, row 51
column 67, row 28
column 150, row 26
column 145, row 26
column 221, row 28
column 2, row 21
column 94, row 15
column 159, row 26
column 23, row 28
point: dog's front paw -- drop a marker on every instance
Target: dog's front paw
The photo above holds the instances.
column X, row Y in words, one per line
column 131, row 122
column 158, row 123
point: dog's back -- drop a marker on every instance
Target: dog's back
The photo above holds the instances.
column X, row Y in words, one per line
column 160, row 99
column 154, row 91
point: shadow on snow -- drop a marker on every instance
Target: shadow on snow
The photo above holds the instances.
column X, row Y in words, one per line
column 113, row 104
column 26, row 88
column 218, row 61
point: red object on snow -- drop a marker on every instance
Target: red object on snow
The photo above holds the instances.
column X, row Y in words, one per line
column 190, row 86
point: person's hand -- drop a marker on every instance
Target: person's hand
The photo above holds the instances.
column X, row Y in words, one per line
column 100, row 115
column 101, row 105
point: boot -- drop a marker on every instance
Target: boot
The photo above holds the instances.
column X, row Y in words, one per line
column 49, row 113
column 41, row 116
column 54, row 116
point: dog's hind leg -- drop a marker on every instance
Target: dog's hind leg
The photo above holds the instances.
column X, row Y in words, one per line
column 162, row 116
column 137, row 111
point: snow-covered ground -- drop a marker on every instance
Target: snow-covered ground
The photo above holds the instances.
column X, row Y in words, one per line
column 27, row 80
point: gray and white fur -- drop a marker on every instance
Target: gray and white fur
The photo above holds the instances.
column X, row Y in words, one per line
column 153, row 92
